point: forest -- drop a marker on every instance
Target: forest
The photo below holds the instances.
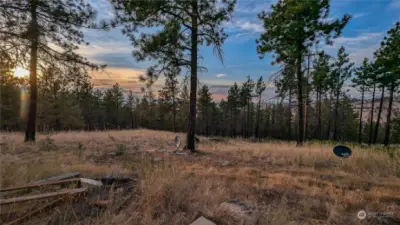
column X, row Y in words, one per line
column 311, row 102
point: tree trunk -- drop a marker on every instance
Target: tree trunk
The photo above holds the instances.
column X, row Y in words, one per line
column 319, row 114
column 193, row 82
column 372, row 116
column 173, row 113
column 388, row 120
column 329, row 117
column 361, row 113
column 300, row 104
column 379, row 116
column 306, row 100
column 30, row 134
column 132, row 123
column 335, row 122
column 290, row 115
column 258, row 118
column 248, row 119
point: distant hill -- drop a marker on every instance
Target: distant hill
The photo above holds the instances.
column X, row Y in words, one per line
column 367, row 108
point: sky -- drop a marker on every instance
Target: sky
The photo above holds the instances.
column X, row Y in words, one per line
column 361, row 37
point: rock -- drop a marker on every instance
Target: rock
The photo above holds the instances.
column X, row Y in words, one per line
column 239, row 210
column 225, row 163
column 157, row 159
column 202, row 221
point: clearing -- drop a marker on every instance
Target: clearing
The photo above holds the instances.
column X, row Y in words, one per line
column 283, row 184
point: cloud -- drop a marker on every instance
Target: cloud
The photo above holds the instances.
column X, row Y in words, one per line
column 358, row 47
column 394, row 4
column 220, row 75
column 127, row 78
column 358, row 15
column 252, row 7
column 254, row 27
column 357, row 39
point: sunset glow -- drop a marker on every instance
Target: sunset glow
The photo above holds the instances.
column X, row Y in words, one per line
column 20, row 72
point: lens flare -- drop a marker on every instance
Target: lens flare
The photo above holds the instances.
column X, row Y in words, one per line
column 20, row 72
column 23, row 112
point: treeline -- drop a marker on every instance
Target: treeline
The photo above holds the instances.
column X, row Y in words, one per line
column 75, row 105
column 44, row 36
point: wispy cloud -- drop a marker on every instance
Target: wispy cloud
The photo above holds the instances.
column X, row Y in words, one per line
column 394, row 4
column 248, row 26
column 358, row 39
column 358, row 15
column 220, row 75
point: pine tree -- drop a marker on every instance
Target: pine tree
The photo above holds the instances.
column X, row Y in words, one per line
column 361, row 83
column 246, row 95
column 291, row 28
column 130, row 105
column 320, row 76
column 260, row 88
column 342, row 69
column 169, row 94
column 233, row 104
column 389, row 56
column 186, row 26
column 35, row 25
column 204, row 103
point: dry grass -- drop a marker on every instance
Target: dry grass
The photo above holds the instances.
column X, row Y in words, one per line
column 288, row 185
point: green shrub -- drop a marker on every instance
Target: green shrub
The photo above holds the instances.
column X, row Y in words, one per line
column 120, row 149
column 47, row 144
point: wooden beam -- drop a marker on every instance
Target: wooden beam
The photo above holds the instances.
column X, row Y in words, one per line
column 29, row 186
column 29, row 215
column 58, row 177
column 41, row 196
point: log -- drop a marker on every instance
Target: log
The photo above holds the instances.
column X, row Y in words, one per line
column 58, row 177
column 29, row 215
column 41, row 196
column 29, row 186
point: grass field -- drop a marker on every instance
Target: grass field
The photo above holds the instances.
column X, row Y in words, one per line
column 286, row 185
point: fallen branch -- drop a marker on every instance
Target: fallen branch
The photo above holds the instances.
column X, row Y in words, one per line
column 36, row 185
column 41, row 196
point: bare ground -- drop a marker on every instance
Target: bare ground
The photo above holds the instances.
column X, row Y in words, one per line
column 285, row 184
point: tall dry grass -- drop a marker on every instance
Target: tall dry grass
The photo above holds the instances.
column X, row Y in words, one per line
column 286, row 184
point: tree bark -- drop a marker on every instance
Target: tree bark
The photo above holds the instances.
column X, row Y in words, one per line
column 193, row 81
column 372, row 116
column 290, row 115
column 173, row 112
column 329, row 117
column 258, row 117
column 300, row 104
column 30, row 133
column 335, row 122
column 319, row 115
column 379, row 116
column 361, row 113
column 307, row 97
column 387, row 131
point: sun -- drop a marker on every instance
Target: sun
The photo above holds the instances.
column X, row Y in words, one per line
column 20, row 72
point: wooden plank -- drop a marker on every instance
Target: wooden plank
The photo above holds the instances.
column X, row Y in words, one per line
column 91, row 182
column 41, row 196
column 29, row 215
column 58, row 177
column 29, row 186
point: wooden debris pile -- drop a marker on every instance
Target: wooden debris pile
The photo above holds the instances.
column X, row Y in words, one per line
column 21, row 203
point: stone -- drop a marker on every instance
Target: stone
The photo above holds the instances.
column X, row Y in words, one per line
column 157, row 159
column 239, row 210
column 202, row 221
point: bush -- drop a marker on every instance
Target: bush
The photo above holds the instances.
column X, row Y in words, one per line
column 120, row 149
column 47, row 144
